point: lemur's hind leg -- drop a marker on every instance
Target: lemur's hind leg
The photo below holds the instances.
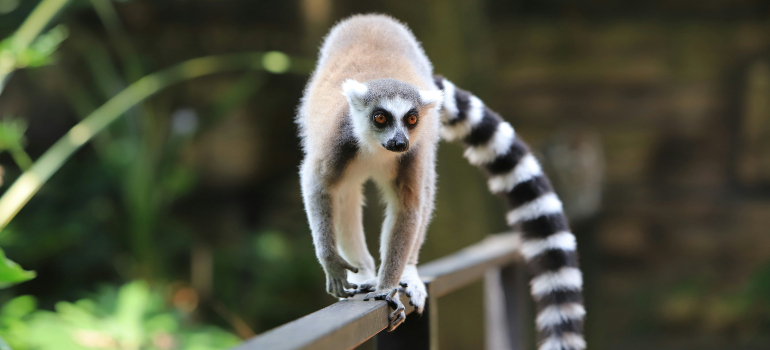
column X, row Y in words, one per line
column 351, row 241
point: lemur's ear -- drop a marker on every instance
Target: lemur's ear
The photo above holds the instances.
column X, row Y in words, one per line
column 435, row 97
column 354, row 91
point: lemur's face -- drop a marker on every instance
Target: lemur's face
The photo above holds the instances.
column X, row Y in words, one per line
column 387, row 113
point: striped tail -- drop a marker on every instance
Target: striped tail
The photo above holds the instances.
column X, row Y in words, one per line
column 548, row 246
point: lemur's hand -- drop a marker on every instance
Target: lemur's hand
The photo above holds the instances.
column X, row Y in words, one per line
column 396, row 317
column 337, row 278
column 367, row 286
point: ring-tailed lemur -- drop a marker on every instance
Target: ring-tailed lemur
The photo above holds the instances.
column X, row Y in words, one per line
column 371, row 111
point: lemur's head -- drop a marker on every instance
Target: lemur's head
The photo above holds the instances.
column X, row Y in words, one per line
column 390, row 113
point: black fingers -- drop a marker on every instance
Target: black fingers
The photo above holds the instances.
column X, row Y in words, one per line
column 365, row 288
column 396, row 317
column 397, row 322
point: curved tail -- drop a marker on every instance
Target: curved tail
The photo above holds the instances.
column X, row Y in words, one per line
column 548, row 246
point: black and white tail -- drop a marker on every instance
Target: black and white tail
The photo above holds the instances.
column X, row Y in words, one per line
column 548, row 246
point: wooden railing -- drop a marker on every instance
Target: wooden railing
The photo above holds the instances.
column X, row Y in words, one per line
column 348, row 323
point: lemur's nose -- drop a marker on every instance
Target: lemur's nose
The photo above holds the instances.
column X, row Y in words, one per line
column 397, row 144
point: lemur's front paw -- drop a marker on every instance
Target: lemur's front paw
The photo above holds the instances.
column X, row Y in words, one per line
column 336, row 277
column 340, row 287
column 414, row 288
column 367, row 286
column 396, row 317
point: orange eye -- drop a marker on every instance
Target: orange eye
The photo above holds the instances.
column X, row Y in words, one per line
column 380, row 119
column 412, row 119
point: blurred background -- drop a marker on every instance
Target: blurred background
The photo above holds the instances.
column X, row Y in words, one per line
column 181, row 225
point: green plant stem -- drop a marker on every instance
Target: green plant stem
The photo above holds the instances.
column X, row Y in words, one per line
column 21, row 158
column 37, row 20
column 26, row 34
column 111, row 21
column 30, row 181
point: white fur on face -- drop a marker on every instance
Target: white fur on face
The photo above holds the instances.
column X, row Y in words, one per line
column 368, row 135
column 397, row 107
column 362, row 128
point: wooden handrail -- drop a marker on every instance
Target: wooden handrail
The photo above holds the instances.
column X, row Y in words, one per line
column 348, row 323
column 470, row 263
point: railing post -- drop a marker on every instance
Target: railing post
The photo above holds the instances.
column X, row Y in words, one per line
column 506, row 301
column 418, row 332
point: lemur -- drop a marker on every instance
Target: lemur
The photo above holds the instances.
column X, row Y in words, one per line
column 373, row 109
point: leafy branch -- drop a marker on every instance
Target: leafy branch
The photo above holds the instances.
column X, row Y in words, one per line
column 24, row 48
column 33, row 179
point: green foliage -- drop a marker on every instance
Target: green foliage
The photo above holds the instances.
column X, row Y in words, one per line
column 39, row 53
column 13, row 326
column 11, row 273
column 272, row 246
column 131, row 317
column 759, row 286
column 12, row 133
column 136, row 172
column 276, row 62
column 12, row 139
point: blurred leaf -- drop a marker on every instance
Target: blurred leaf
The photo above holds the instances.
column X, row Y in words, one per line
column 7, row 6
column 132, row 304
column 76, row 315
column 122, row 152
column 180, row 180
column 276, row 62
column 9, row 236
column 12, row 133
column 11, row 273
column 162, row 323
column 39, row 53
column 759, row 285
column 139, row 321
column 19, row 307
column 12, row 327
column 51, row 161
column 272, row 246
column 47, row 330
column 12, row 139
